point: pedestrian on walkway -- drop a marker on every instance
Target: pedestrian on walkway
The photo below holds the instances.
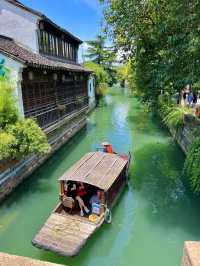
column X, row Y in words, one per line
column 194, row 98
column 190, row 98
column 184, row 97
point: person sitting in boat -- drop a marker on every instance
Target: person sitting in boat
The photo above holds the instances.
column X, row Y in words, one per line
column 107, row 147
column 95, row 202
column 81, row 195
column 70, row 189
column 77, row 192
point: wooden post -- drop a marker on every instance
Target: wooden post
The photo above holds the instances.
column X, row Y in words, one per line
column 62, row 191
column 102, row 202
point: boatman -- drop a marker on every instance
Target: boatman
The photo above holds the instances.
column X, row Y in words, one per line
column 107, row 147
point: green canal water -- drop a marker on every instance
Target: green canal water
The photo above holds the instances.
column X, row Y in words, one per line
column 155, row 213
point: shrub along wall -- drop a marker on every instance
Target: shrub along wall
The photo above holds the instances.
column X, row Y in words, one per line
column 15, row 172
column 188, row 138
column 185, row 135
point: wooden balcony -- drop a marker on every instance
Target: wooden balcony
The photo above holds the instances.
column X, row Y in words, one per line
column 49, row 115
column 57, row 47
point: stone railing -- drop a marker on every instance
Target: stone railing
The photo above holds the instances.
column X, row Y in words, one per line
column 7, row 259
column 191, row 254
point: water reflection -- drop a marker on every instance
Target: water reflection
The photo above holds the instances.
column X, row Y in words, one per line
column 159, row 177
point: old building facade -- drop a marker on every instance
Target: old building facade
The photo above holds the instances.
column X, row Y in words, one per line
column 51, row 85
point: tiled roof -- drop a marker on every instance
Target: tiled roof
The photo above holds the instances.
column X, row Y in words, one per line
column 9, row 47
column 42, row 16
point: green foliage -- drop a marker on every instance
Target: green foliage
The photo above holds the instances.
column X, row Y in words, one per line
column 18, row 137
column 164, row 110
column 102, row 89
column 176, row 116
column 122, row 72
column 100, row 73
column 162, row 37
column 125, row 73
column 7, row 142
column 101, row 77
column 4, row 71
column 196, row 85
column 98, row 53
column 191, row 166
column 21, row 139
column 29, row 138
column 8, row 109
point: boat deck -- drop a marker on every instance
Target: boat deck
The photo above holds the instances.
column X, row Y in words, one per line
column 65, row 234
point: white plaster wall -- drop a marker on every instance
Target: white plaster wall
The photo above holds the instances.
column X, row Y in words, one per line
column 91, row 90
column 19, row 24
column 16, row 77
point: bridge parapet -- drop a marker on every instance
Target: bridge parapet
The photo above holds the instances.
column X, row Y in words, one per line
column 191, row 254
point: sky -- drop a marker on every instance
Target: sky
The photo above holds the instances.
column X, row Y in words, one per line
column 80, row 17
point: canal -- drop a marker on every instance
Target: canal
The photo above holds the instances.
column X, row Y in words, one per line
column 155, row 214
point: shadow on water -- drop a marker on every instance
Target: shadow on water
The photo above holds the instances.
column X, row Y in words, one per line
column 144, row 122
column 157, row 177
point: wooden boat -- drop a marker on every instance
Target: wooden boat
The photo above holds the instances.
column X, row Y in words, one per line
column 65, row 231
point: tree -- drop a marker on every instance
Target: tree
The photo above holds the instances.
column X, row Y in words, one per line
column 100, row 54
column 162, row 37
column 122, row 74
column 100, row 73
column 96, row 50
column 125, row 73
column 108, row 64
column 101, row 77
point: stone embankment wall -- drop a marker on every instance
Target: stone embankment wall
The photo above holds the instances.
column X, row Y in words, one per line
column 184, row 137
column 186, row 134
column 15, row 174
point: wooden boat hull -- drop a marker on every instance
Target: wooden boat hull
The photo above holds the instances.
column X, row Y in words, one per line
column 65, row 234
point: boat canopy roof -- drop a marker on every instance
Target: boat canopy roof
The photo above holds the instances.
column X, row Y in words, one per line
column 96, row 168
